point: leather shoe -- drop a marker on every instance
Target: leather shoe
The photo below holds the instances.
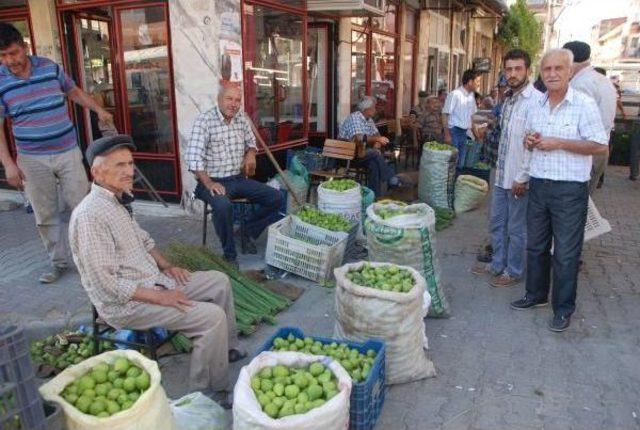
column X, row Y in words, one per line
column 527, row 303
column 559, row 323
column 236, row 355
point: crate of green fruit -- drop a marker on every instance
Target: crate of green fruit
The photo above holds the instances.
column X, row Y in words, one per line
column 328, row 227
column 307, row 255
column 367, row 393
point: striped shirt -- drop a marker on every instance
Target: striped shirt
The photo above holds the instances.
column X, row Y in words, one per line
column 37, row 108
column 217, row 147
column 511, row 151
column 111, row 252
column 575, row 118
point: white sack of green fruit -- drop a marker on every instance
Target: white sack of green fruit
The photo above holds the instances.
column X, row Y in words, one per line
column 116, row 390
column 291, row 391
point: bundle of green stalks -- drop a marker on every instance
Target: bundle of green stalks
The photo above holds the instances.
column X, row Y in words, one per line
column 253, row 303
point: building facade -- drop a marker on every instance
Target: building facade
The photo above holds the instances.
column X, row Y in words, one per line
column 302, row 64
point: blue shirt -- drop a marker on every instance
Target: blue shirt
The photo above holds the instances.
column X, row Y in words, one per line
column 37, row 108
column 355, row 124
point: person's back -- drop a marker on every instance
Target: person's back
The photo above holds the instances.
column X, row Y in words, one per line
column 599, row 88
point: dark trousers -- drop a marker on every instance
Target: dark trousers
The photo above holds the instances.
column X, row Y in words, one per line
column 378, row 171
column 556, row 210
column 238, row 187
column 634, row 151
column 459, row 139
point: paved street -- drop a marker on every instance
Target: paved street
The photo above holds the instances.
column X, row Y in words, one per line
column 497, row 368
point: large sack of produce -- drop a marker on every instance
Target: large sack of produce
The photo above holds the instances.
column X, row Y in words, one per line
column 136, row 402
column 389, row 308
column 291, row 391
column 470, row 191
column 195, row 411
column 437, row 174
column 405, row 235
column 341, row 196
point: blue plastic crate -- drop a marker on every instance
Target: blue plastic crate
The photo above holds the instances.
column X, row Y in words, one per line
column 367, row 397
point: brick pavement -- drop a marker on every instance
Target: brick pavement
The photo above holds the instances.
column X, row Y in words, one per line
column 497, row 368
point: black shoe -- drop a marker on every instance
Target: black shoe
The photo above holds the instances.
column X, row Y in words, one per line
column 236, row 355
column 249, row 245
column 559, row 323
column 633, row 178
column 486, row 255
column 526, row 303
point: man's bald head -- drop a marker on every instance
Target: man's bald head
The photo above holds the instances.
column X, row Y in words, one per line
column 229, row 101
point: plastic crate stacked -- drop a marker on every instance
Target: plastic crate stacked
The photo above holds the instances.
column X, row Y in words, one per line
column 367, row 397
column 20, row 403
column 310, row 253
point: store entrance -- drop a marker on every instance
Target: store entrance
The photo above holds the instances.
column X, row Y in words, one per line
column 121, row 56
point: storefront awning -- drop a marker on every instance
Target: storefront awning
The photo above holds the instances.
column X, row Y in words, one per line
column 347, row 7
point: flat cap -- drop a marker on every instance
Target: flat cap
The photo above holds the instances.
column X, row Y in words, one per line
column 581, row 50
column 106, row 144
column 423, row 94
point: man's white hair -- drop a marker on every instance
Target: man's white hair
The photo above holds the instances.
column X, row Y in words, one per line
column 98, row 160
column 567, row 54
column 366, row 102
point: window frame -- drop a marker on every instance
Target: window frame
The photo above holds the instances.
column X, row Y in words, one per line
column 368, row 30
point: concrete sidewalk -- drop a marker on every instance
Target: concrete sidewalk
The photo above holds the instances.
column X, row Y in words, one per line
column 497, row 368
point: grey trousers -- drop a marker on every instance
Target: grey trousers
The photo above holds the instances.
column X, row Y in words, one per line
column 43, row 173
column 210, row 324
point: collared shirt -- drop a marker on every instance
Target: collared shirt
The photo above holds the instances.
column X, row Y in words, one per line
column 600, row 88
column 218, row 147
column 111, row 252
column 511, row 151
column 38, row 108
column 576, row 117
column 355, row 124
column 460, row 106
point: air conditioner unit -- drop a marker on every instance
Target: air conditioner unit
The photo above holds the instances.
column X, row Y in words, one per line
column 347, row 7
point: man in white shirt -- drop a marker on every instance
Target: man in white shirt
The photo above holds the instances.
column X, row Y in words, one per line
column 563, row 131
column 509, row 195
column 458, row 110
column 588, row 81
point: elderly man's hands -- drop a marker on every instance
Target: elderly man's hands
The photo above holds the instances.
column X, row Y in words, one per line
column 174, row 298
column 178, row 274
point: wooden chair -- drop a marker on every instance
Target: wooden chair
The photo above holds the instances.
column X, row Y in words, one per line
column 333, row 150
column 101, row 331
column 244, row 206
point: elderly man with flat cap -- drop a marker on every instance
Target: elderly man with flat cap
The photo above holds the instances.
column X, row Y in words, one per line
column 588, row 81
column 133, row 286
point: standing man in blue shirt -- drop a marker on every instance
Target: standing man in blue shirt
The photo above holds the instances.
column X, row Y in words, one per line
column 32, row 95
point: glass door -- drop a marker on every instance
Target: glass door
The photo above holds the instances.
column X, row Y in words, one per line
column 319, row 79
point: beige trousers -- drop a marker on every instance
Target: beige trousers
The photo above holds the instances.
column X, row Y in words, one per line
column 43, row 174
column 210, row 324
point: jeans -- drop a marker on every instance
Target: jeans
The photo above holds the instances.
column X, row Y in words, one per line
column 634, row 152
column 508, row 227
column 236, row 187
column 557, row 210
column 378, row 170
column 458, row 139
column 44, row 173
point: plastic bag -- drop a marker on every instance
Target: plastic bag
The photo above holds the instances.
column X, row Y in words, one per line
column 437, row 177
column 298, row 178
column 196, row 411
column 470, row 191
column 396, row 318
column 408, row 240
column 248, row 415
column 150, row 412
column 347, row 203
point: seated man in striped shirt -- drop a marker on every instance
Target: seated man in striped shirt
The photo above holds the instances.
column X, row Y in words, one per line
column 32, row 95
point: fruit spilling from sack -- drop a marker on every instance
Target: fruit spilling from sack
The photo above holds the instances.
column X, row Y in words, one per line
column 283, row 391
column 357, row 364
column 340, row 184
column 326, row 220
column 387, row 278
column 107, row 389
column 391, row 211
column 437, row 146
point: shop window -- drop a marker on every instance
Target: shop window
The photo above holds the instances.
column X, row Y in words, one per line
column 374, row 44
column 318, row 77
column 274, row 78
column 442, row 78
